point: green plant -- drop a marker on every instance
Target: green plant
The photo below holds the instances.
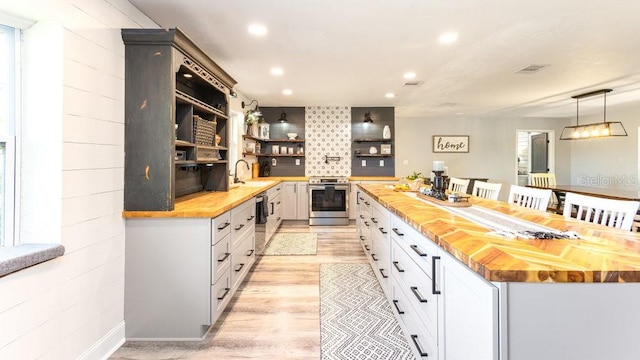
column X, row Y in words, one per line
column 414, row 176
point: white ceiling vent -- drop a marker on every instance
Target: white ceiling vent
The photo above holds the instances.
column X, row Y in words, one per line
column 531, row 69
column 413, row 83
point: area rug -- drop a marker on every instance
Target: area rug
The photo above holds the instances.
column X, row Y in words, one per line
column 356, row 321
column 292, row 244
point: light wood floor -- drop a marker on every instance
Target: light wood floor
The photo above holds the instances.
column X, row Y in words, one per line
column 276, row 312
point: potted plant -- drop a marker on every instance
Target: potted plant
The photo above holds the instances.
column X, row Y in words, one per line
column 251, row 121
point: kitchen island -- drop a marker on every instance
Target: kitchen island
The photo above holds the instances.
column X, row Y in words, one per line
column 484, row 296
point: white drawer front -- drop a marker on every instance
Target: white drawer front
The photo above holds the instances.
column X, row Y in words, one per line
column 414, row 244
column 242, row 221
column 415, row 283
column 220, row 295
column 242, row 258
column 221, row 227
column 421, row 341
column 220, row 258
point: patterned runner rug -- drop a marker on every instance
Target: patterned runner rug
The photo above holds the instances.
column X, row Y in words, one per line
column 292, row 244
column 356, row 321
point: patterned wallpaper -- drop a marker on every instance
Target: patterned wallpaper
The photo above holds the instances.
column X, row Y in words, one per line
column 328, row 133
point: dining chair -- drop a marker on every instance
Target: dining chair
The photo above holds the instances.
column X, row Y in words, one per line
column 613, row 213
column 529, row 197
column 458, row 185
column 486, row 190
column 546, row 180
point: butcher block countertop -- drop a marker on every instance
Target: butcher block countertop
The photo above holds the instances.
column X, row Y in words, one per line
column 209, row 204
column 600, row 255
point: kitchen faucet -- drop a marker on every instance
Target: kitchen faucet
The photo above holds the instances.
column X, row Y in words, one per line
column 236, row 179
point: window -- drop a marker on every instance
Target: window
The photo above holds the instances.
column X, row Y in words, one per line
column 9, row 52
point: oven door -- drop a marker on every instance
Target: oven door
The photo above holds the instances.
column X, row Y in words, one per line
column 328, row 201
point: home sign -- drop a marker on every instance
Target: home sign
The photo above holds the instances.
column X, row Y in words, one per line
column 450, row 143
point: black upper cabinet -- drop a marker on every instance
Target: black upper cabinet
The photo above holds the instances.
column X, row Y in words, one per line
column 176, row 99
column 368, row 135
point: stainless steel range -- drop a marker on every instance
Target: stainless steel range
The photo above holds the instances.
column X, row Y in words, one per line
column 328, row 200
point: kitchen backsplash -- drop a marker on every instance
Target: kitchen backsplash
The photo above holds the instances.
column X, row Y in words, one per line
column 328, row 134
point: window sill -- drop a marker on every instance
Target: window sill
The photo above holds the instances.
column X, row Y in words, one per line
column 22, row 256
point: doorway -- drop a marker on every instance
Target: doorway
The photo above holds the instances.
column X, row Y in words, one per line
column 535, row 152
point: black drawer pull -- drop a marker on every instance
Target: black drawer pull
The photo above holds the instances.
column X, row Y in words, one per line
column 239, row 227
column 395, row 263
column 417, row 294
column 239, row 267
column 224, row 226
column 414, row 338
column 278, row 219
column 251, row 218
column 373, row 256
column 225, row 257
column 367, row 247
column 250, row 252
column 366, row 203
column 382, row 230
column 395, row 303
column 366, row 223
column 362, row 237
column 433, row 275
column 374, row 220
column 395, row 230
column 361, row 216
column 418, row 251
column 383, row 275
column 226, row 291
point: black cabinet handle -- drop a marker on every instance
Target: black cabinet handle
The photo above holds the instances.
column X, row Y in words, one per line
column 383, row 275
column 366, row 203
column 272, row 205
column 250, row 252
column 373, row 256
column 367, row 247
column 362, row 237
column 395, row 263
column 382, row 230
column 414, row 338
column 226, row 291
column 418, row 251
column 226, row 255
column 395, row 230
column 374, row 220
column 433, row 275
column 239, row 267
column 251, row 218
column 395, row 303
column 239, row 227
column 224, row 225
column 278, row 219
column 366, row 223
column 415, row 292
column 361, row 216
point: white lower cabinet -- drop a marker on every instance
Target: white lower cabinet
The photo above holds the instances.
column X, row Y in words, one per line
column 275, row 209
column 181, row 272
column 295, row 200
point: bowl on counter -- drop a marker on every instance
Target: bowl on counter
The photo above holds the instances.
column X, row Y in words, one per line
column 292, row 136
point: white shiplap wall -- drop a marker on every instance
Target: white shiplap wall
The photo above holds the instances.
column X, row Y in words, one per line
column 71, row 307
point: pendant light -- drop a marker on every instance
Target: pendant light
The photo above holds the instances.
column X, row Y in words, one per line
column 594, row 130
column 283, row 117
column 367, row 118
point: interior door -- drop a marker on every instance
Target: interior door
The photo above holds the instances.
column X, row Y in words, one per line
column 539, row 153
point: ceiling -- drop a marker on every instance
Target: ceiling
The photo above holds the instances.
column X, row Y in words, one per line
column 353, row 52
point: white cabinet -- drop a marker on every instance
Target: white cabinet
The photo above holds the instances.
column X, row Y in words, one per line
column 295, row 200
column 468, row 312
column 275, row 208
column 182, row 272
column 380, row 249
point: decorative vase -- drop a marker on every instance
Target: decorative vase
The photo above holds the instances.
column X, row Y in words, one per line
column 386, row 132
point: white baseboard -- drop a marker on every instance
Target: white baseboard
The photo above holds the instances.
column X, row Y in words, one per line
column 107, row 345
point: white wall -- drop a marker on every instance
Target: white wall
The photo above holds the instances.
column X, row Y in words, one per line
column 71, row 307
column 492, row 147
column 609, row 162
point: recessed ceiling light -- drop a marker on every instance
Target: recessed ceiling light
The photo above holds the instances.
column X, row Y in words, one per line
column 448, row 37
column 257, row 29
column 409, row 75
column 277, row 71
column 287, row 92
column 389, row 95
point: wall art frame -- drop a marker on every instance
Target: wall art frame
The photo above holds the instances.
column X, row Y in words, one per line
column 450, row 143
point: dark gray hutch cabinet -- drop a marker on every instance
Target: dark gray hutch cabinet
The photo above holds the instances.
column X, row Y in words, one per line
column 175, row 96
